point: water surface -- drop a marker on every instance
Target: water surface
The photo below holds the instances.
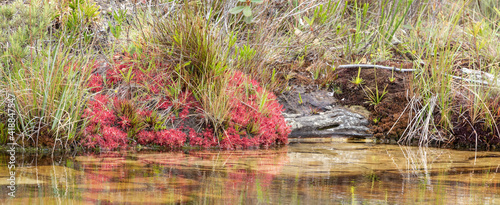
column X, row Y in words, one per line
column 319, row 173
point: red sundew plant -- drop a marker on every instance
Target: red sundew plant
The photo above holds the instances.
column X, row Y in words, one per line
column 100, row 130
column 255, row 115
column 95, row 83
column 172, row 138
column 124, row 122
column 205, row 139
column 109, row 138
column 146, row 137
column 98, row 112
column 113, row 77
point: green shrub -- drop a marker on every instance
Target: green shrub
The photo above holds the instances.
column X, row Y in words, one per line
column 79, row 25
column 21, row 25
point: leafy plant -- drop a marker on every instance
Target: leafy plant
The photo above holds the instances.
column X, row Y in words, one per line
column 49, row 88
column 392, row 78
column 119, row 17
column 80, row 23
column 322, row 12
column 20, row 25
column 273, row 76
column 374, row 98
column 356, row 33
column 127, row 76
column 246, row 9
column 246, row 53
column 309, row 22
column 316, row 73
column 357, row 80
column 233, row 105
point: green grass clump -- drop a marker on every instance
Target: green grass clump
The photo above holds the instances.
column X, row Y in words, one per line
column 206, row 57
column 49, row 92
column 201, row 53
column 47, row 79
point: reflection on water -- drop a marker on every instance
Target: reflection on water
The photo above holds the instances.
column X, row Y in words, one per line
column 321, row 173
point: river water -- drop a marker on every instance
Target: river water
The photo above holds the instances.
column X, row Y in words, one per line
column 316, row 173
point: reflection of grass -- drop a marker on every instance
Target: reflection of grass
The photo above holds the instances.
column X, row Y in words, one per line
column 440, row 188
column 353, row 195
column 373, row 177
column 260, row 196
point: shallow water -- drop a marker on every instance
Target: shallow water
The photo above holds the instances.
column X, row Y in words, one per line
column 320, row 173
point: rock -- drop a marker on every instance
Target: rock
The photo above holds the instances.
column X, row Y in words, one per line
column 302, row 101
column 337, row 122
column 314, row 112
column 360, row 110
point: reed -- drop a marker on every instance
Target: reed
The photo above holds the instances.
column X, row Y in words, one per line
column 48, row 79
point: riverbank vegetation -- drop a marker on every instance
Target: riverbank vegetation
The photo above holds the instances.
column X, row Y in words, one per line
column 172, row 74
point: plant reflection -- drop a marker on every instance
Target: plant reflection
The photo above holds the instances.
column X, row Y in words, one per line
column 353, row 173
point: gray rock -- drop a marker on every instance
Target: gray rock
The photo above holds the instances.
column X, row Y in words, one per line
column 316, row 113
column 337, row 122
column 307, row 100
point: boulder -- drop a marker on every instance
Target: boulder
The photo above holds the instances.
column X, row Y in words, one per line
column 314, row 113
column 336, row 122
